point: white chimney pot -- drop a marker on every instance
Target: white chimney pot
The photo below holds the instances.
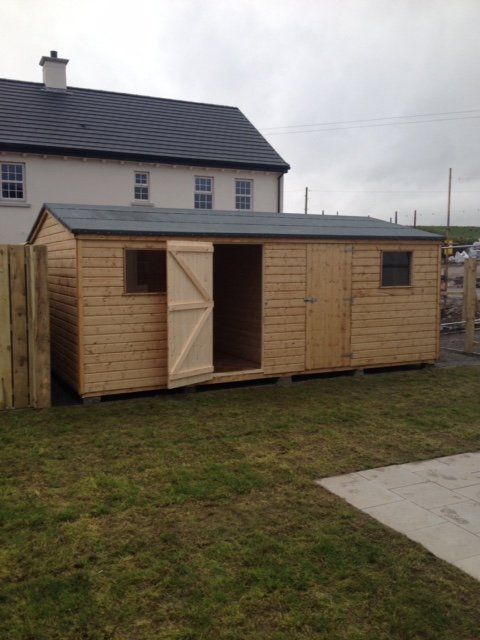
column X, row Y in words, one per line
column 54, row 71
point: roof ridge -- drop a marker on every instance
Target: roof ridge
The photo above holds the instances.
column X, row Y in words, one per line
column 124, row 93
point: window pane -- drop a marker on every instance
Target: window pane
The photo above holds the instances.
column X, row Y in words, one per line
column 203, row 201
column 243, row 187
column 12, row 181
column 243, row 202
column 203, row 184
column 145, row 271
column 396, row 268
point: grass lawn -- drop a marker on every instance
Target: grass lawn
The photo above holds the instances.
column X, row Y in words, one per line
column 195, row 516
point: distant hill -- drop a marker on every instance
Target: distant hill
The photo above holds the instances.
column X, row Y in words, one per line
column 459, row 235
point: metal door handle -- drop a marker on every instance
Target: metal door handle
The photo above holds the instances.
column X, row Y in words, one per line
column 310, row 299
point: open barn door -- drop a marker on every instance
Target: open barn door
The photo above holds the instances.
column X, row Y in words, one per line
column 190, row 317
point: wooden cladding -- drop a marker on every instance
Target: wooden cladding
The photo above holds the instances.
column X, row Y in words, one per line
column 107, row 342
column 24, row 327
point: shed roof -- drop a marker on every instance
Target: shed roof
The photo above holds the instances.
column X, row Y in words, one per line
column 147, row 221
column 88, row 122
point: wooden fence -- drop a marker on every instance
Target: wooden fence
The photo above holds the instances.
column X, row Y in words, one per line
column 24, row 327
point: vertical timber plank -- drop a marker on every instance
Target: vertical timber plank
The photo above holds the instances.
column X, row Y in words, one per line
column 81, row 313
column 6, row 395
column 470, row 302
column 38, row 326
column 18, row 314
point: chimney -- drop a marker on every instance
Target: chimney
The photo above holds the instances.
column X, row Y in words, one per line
column 54, row 71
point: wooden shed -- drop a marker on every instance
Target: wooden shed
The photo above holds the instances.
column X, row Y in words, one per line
column 145, row 299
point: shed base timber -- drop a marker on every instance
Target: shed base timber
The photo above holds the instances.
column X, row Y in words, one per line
column 254, row 375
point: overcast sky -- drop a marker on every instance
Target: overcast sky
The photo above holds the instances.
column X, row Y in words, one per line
column 291, row 63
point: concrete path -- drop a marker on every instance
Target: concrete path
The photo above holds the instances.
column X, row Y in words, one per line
column 434, row 502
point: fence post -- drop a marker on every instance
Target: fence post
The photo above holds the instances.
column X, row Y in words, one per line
column 470, row 302
column 6, row 392
column 18, row 314
column 39, row 326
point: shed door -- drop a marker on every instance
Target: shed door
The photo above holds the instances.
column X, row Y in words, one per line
column 328, row 302
column 190, row 317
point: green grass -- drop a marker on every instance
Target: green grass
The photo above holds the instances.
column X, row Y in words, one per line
column 459, row 235
column 196, row 517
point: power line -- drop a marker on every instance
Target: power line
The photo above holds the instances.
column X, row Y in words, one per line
column 375, row 191
column 366, row 126
column 418, row 115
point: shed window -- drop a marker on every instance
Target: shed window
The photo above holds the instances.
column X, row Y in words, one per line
column 396, row 268
column 243, row 194
column 203, row 198
column 142, row 185
column 13, row 181
column 145, row 271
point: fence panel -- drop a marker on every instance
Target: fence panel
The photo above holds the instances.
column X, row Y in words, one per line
column 24, row 327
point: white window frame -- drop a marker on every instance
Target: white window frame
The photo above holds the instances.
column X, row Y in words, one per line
column 141, row 185
column 204, row 192
column 250, row 208
column 22, row 182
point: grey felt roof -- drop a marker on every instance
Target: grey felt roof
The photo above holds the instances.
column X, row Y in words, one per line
column 135, row 220
column 118, row 125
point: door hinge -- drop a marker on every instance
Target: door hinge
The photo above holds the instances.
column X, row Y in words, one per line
column 351, row 300
column 310, row 299
column 348, row 355
column 350, row 249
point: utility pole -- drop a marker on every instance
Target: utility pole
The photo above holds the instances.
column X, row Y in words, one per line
column 306, row 200
column 415, row 218
column 449, row 201
column 396, row 217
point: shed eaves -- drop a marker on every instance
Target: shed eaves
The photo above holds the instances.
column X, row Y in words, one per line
column 88, row 122
column 146, row 221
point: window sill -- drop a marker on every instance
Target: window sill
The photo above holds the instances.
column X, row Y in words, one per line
column 143, row 203
column 397, row 286
column 7, row 203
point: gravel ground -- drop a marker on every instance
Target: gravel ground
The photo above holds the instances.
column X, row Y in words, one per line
column 455, row 340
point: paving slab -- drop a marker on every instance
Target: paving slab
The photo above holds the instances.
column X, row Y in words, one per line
column 465, row 514
column 358, row 491
column 435, row 502
column 428, row 494
column 404, row 516
column 472, row 492
column 450, row 476
column 470, row 566
column 396, row 475
column 447, row 541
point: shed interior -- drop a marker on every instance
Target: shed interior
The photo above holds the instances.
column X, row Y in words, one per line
column 237, row 314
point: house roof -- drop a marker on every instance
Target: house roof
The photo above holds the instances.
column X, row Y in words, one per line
column 87, row 122
column 148, row 221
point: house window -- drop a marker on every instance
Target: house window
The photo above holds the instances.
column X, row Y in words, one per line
column 396, row 268
column 13, row 181
column 243, row 194
column 142, row 185
column 203, row 193
column 145, row 271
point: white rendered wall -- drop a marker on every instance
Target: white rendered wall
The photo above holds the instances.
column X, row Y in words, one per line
column 110, row 182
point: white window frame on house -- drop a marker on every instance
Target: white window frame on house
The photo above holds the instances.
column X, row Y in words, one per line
column 143, row 187
column 201, row 193
column 243, row 200
column 14, row 181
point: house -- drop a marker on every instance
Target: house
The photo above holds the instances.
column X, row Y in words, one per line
column 147, row 298
column 63, row 144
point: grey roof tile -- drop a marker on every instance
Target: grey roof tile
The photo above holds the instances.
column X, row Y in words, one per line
column 108, row 124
